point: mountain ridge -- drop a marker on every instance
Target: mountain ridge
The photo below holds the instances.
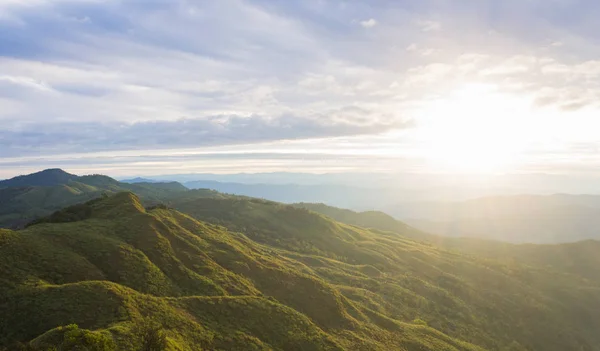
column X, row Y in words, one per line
column 47, row 177
column 213, row 286
column 25, row 200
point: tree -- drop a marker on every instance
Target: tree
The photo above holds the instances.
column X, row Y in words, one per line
column 151, row 336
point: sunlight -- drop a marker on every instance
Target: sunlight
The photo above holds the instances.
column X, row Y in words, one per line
column 476, row 129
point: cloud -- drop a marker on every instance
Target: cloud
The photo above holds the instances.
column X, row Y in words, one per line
column 428, row 26
column 69, row 137
column 26, row 82
column 370, row 23
column 119, row 75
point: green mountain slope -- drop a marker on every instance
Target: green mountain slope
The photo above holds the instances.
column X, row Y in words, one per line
column 492, row 302
column 370, row 219
column 118, row 264
column 580, row 258
column 48, row 177
column 25, row 198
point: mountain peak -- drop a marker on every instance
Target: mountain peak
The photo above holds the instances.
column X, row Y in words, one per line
column 107, row 207
column 118, row 205
column 48, row 177
column 139, row 180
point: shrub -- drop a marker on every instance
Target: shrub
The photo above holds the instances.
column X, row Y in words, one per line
column 151, row 336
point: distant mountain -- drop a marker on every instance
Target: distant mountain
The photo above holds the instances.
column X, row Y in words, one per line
column 369, row 219
column 47, row 177
column 490, row 206
column 370, row 194
column 557, row 218
column 338, row 195
column 577, row 258
column 139, row 180
column 27, row 197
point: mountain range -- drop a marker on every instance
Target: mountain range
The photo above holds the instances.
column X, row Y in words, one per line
column 201, row 270
column 556, row 218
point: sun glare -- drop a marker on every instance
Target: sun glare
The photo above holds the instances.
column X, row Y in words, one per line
column 476, row 129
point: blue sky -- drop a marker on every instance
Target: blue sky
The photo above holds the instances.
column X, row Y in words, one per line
column 152, row 87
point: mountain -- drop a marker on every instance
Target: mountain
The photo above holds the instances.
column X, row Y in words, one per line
column 285, row 279
column 368, row 219
column 25, row 198
column 139, row 180
column 340, row 195
column 115, row 265
column 47, row 177
column 492, row 286
column 520, row 219
column 367, row 195
column 577, row 258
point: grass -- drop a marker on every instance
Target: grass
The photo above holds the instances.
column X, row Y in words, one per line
column 230, row 273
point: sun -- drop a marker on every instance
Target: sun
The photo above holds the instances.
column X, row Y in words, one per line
column 475, row 129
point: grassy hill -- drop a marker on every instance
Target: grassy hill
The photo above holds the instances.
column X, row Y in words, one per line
column 48, row 177
column 579, row 258
column 220, row 272
column 495, row 302
column 119, row 264
column 368, row 219
column 25, row 198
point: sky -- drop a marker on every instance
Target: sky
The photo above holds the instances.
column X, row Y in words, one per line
column 423, row 86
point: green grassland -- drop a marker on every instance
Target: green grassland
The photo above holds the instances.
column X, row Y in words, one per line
column 26, row 200
column 227, row 273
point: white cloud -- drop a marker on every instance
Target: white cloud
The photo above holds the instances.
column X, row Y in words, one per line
column 26, row 82
column 84, row 62
column 368, row 23
column 428, row 26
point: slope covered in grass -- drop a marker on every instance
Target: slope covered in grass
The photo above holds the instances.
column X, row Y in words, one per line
column 492, row 300
column 25, row 198
column 368, row 219
column 579, row 258
column 116, row 264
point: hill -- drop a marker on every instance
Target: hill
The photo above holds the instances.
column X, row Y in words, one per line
column 28, row 197
column 579, row 258
column 236, row 271
column 110, row 264
column 47, row 177
column 460, row 289
column 367, row 219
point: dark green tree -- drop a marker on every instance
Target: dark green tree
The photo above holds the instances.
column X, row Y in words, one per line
column 151, row 336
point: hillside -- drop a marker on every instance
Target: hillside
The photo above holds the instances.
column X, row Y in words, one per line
column 368, row 219
column 580, row 258
column 118, row 264
column 25, row 198
column 463, row 295
column 48, row 177
column 215, row 278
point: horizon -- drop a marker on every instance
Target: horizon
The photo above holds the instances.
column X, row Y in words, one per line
column 455, row 188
